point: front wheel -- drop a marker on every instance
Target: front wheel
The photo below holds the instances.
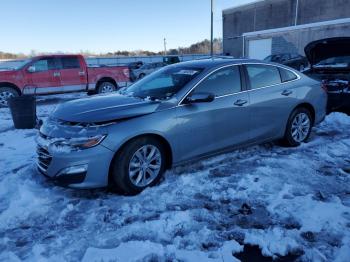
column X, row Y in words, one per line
column 5, row 94
column 106, row 87
column 138, row 165
column 298, row 127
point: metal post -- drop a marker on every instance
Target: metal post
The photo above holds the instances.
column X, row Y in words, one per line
column 164, row 46
column 296, row 13
column 211, row 30
column 243, row 38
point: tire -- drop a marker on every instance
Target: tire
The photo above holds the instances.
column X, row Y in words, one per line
column 301, row 68
column 298, row 128
column 129, row 174
column 142, row 76
column 6, row 93
column 106, row 87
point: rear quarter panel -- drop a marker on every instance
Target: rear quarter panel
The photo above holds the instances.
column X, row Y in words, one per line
column 310, row 91
column 118, row 73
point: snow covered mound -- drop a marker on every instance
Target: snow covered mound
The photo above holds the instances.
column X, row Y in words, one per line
column 290, row 202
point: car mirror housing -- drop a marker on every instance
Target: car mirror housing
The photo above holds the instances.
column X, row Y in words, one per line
column 31, row 69
column 200, row 98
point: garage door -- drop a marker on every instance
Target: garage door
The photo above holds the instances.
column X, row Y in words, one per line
column 259, row 49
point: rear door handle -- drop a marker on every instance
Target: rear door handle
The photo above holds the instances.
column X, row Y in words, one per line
column 240, row 102
column 286, row 92
column 56, row 74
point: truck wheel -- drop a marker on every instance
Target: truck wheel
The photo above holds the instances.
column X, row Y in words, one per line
column 5, row 94
column 140, row 164
column 106, row 87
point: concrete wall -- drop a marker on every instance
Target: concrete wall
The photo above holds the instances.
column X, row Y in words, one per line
column 271, row 14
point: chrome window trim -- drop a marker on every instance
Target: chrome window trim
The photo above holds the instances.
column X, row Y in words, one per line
column 204, row 78
column 278, row 66
column 242, row 91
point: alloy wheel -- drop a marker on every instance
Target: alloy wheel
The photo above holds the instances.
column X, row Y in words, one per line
column 300, row 127
column 107, row 88
column 4, row 96
column 145, row 165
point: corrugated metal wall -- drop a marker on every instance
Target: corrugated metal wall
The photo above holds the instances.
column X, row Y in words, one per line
column 271, row 14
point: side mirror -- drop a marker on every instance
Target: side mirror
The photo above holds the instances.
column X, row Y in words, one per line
column 200, row 98
column 31, row 69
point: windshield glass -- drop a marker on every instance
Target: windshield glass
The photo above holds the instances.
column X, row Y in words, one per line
column 13, row 64
column 339, row 61
column 163, row 83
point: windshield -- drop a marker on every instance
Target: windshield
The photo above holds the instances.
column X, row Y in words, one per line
column 339, row 61
column 268, row 58
column 13, row 64
column 163, row 83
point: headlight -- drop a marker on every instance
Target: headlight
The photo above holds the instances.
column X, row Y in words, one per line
column 77, row 143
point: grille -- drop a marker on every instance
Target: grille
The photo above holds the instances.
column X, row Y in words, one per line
column 44, row 158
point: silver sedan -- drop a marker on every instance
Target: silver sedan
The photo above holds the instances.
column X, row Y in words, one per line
column 178, row 114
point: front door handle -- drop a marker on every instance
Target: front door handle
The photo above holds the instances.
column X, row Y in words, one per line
column 286, row 92
column 240, row 102
column 82, row 73
column 56, row 74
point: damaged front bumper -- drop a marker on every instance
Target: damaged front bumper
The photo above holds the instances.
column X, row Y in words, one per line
column 87, row 168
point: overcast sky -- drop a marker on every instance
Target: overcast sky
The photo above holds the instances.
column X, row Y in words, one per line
column 106, row 25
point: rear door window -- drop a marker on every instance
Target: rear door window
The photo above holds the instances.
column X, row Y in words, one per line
column 70, row 62
column 263, row 75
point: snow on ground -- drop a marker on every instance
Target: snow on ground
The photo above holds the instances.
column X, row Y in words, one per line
column 293, row 203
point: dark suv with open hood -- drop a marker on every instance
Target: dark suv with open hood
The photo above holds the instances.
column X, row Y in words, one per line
column 330, row 63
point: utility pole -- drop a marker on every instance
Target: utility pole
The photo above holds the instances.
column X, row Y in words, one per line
column 164, row 46
column 211, row 30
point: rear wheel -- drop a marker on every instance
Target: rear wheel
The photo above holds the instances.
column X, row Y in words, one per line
column 138, row 165
column 298, row 127
column 106, row 87
column 5, row 94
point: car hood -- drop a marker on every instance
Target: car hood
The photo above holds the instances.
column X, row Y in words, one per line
column 103, row 108
column 326, row 48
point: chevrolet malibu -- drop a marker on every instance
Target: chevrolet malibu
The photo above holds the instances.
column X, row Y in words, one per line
column 178, row 114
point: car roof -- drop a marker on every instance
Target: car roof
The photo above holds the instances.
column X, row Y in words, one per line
column 56, row 55
column 213, row 62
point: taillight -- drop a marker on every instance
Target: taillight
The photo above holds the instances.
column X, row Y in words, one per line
column 126, row 72
column 324, row 86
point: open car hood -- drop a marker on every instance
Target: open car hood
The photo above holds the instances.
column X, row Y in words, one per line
column 103, row 108
column 326, row 48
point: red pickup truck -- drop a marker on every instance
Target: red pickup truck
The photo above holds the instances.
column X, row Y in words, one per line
column 52, row 74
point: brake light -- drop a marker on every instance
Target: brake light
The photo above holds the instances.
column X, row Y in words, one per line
column 324, row 86
column 126, row 72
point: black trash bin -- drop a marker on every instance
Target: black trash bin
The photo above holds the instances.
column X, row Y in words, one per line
column 23, row 110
